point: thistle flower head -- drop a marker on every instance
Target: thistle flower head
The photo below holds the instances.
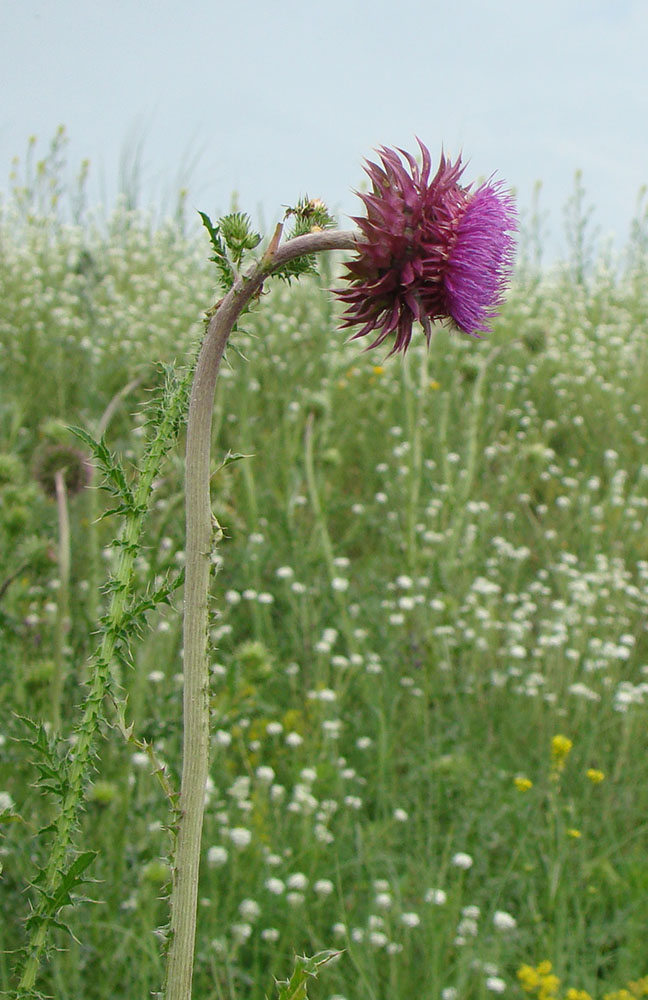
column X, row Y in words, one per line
column 429, row 249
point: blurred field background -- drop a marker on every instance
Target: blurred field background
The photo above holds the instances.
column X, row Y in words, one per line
column 432, row 567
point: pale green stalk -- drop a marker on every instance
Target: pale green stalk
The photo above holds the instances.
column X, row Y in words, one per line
column 200, row 538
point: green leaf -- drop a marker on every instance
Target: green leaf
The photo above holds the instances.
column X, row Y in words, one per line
column 9, row 817
column 136, row 613
column 220, row 257
column 115, row 481
column 296, row 987
column 230, row 458
column 71, row 880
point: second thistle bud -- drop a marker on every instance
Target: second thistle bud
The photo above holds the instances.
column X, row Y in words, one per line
column 310, row 216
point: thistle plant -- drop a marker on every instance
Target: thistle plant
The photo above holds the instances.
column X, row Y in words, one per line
column 428, row 249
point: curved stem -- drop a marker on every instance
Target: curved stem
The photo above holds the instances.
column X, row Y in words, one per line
column 198, row 550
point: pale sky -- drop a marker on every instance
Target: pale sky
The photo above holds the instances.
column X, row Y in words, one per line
column 278, row 99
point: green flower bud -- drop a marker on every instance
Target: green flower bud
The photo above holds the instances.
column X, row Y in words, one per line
column 103, row 793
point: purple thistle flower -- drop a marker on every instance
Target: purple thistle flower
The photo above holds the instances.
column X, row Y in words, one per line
column 428, row 250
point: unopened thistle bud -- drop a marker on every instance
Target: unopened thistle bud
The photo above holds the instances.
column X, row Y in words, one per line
column 74, row 465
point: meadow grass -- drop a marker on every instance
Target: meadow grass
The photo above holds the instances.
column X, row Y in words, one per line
column 432, row 567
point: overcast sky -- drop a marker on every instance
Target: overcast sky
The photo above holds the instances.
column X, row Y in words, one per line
column 277, row 99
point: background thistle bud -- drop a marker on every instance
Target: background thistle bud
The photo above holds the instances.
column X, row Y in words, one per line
column 76, row 468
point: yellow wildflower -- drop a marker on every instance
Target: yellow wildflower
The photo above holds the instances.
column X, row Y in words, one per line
column 378, row 369
column 434, row 384
column 639, row 987
column 539, row 980
column 528, row 978
column 522, row 784
column 560, row 750
column 595, row 776
column 560, row 747
column 574, row 833
column 549, row 987
column 573, row 994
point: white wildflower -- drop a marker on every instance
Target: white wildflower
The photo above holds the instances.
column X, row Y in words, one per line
column 240, row 836
column 6, row 802
column 297, row 881
column 249, row 909
column 436, row 896
column 504, row 921
column 217, row 856
column 241, row 932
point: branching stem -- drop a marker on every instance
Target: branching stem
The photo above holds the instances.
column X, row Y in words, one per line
column 198, row 549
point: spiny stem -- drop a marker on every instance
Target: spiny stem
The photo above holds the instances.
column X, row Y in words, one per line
column 198, row 549
column 63, row 604
column 76, row 766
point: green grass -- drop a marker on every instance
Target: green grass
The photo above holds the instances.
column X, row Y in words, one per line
column 431, row 567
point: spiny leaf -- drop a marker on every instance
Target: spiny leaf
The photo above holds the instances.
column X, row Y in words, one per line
column 72, row 879
column 162, row 595
column 115, row 481
column 60, row 896
column 230, row 458
column 214, row 238
column 296, row 987
column 220, row 257
column 296, row 268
